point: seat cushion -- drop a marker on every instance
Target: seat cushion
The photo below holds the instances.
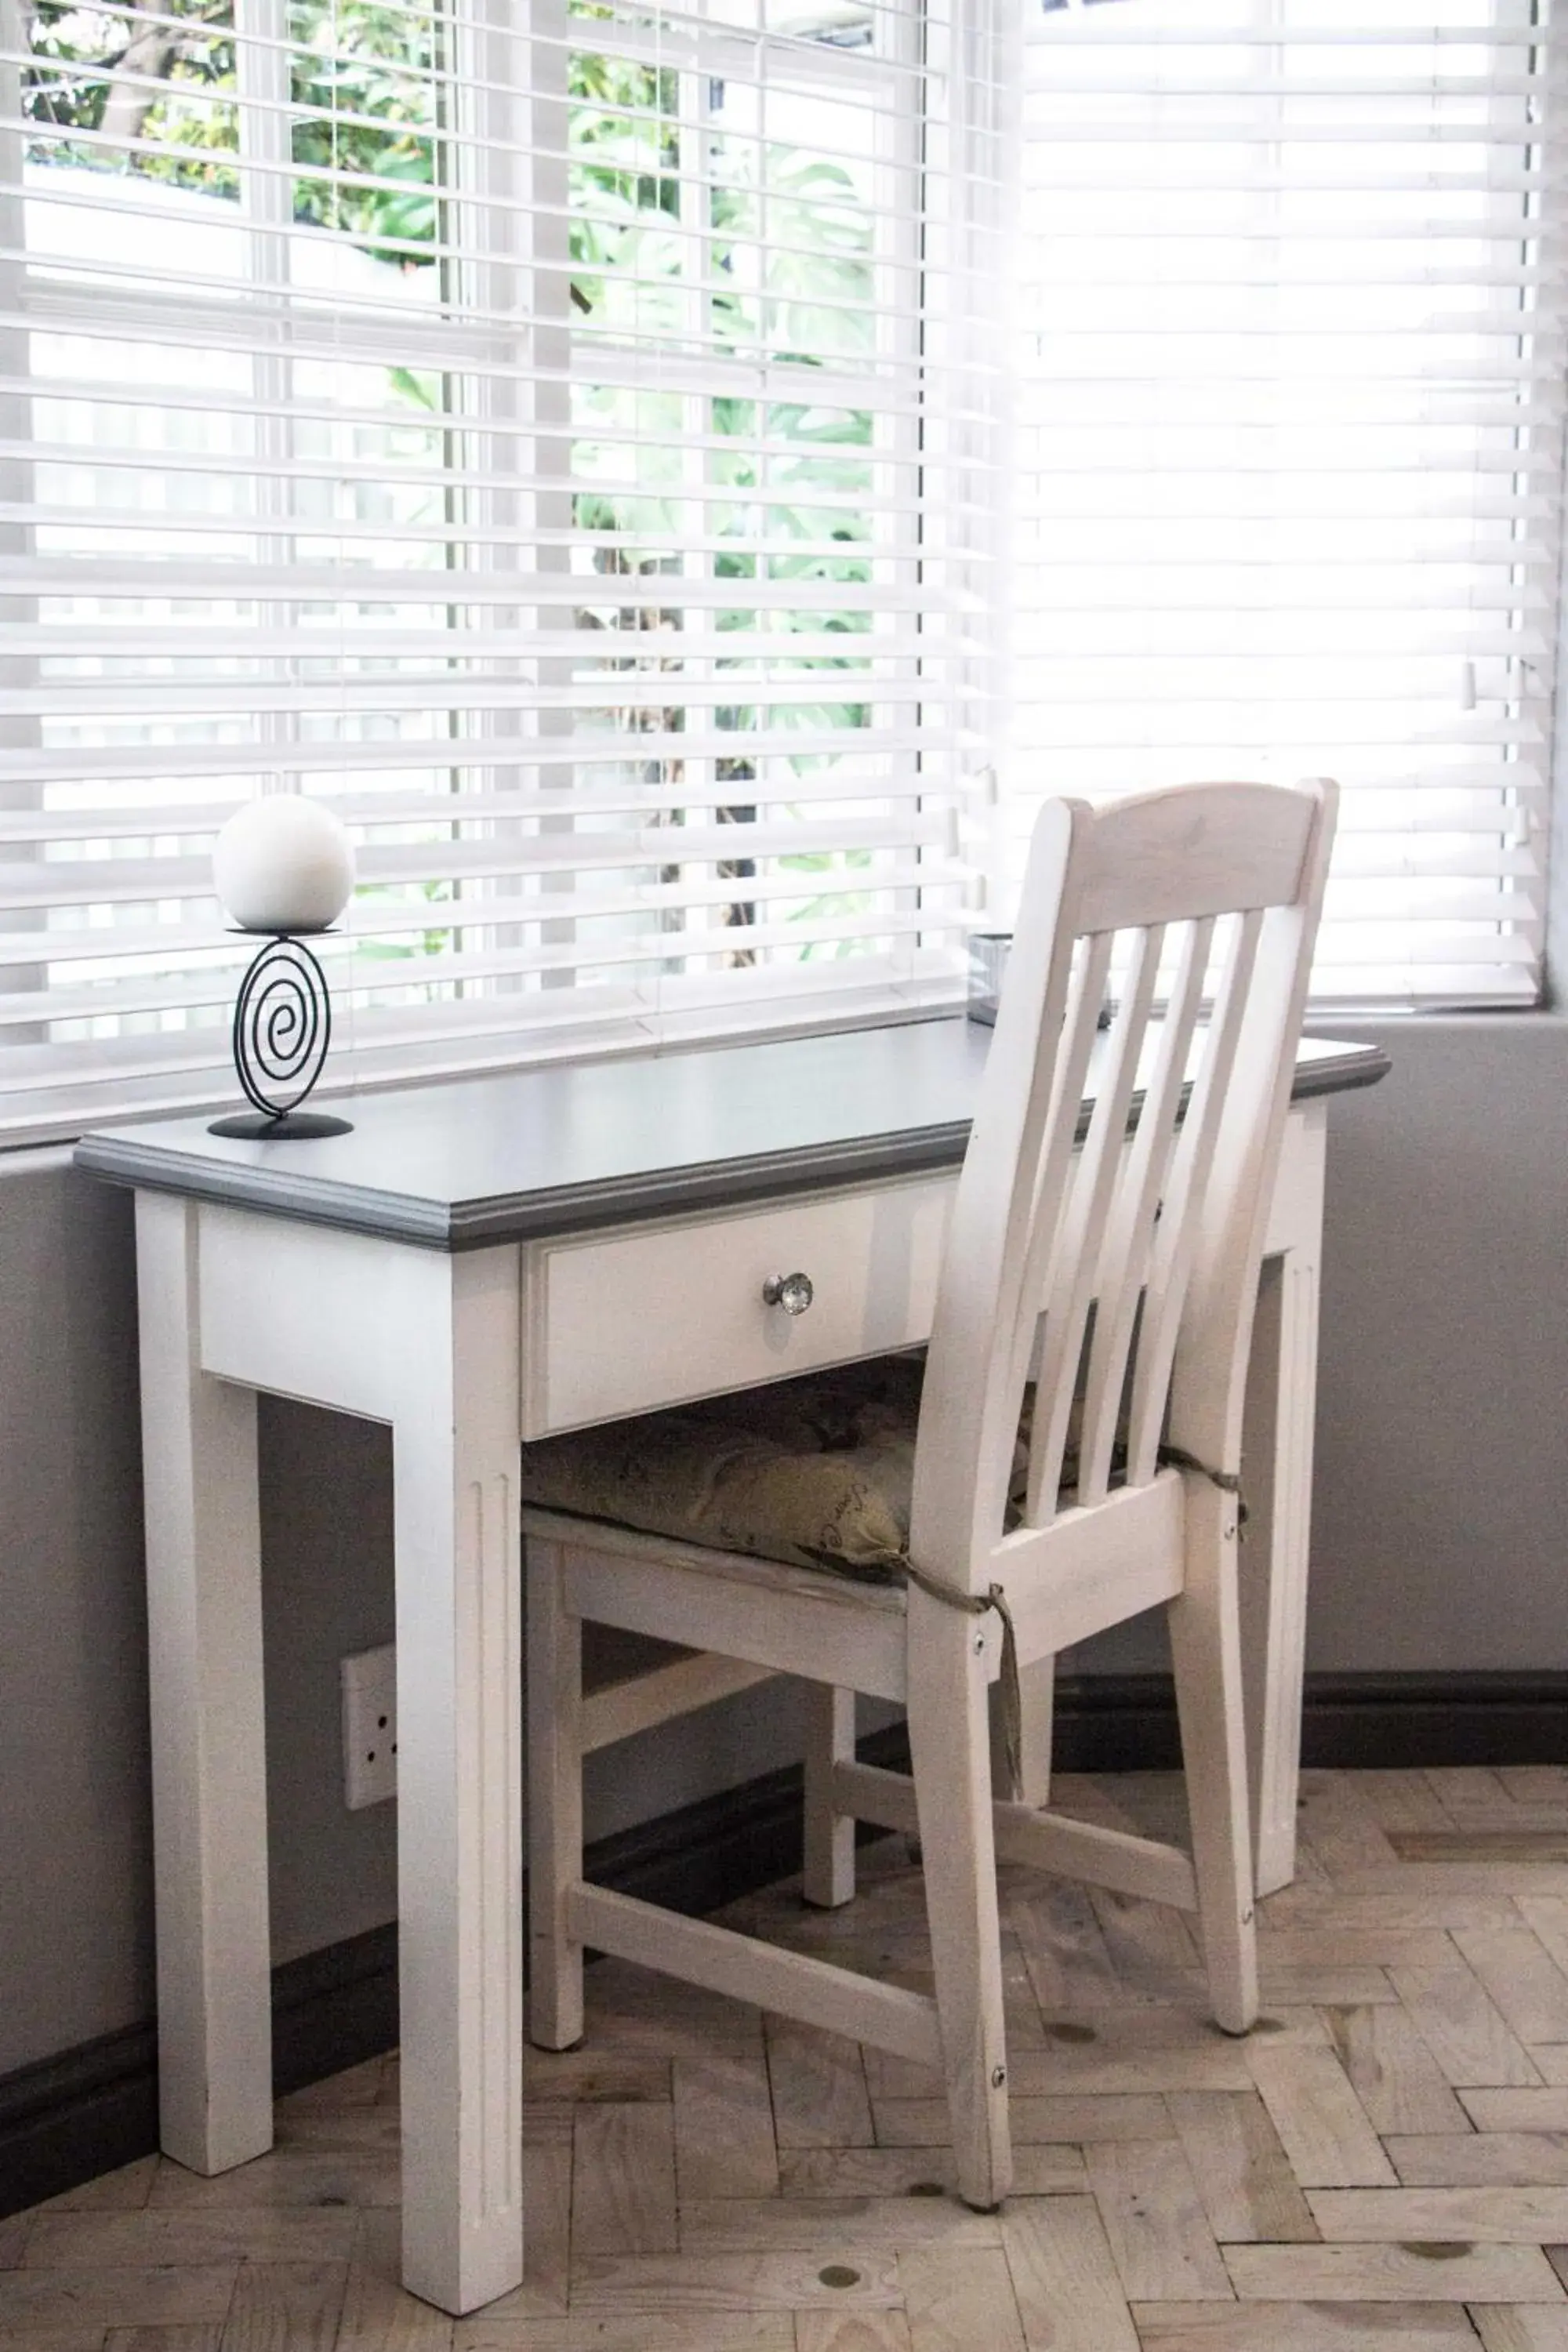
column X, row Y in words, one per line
column 816, row 1471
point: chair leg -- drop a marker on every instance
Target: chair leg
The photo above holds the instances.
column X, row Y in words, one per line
column 554, row 1802
column 828, row 1879
column 950, row 1745
column 1205, row 1645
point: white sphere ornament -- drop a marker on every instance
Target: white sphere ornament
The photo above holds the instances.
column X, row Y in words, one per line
column 283, row 864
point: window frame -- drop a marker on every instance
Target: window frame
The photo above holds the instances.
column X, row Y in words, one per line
column 492, row 440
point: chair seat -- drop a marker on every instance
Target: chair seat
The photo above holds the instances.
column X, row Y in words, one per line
column 815, row 1472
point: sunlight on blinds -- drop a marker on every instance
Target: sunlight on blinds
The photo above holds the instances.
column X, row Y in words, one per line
column 1289, row 437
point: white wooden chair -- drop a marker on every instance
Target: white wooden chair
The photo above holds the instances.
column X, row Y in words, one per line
column 1141, row 1239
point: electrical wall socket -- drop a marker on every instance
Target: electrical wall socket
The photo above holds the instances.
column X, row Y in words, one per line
column 369, row 1727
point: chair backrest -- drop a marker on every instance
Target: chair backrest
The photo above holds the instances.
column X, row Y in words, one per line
column 1141, row 1237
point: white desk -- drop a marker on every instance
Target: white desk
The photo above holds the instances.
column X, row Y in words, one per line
column 487, row 1260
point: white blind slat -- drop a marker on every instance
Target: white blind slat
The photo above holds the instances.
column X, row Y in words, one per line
column 849, row 747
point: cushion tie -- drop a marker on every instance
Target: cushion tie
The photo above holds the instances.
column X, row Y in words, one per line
column 1176, row 1457
column 980, row 1605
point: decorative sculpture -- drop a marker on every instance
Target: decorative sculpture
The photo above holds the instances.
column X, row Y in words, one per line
column 282, row 866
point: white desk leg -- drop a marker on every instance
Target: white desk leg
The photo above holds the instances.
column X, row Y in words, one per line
column 460, row 1831
column 1277, row 1471
column 209, row 1770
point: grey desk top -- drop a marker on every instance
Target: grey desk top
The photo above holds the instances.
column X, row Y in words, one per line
column 458, row 1165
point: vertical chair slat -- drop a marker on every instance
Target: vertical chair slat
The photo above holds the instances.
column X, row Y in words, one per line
column 1178, row 1242
column 1044, row 1189
column 1130, row 1241
column 1091, row 1190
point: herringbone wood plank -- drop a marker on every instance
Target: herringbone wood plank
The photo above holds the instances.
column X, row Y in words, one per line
column 1163, row 2247
column 1522, row 2327
column 1303, row 2327
column 852, row 2331
column 637, row 2331
column 1070, row 2296
column 285, row 2307
column 1243, row 2174
column 724, row 2144
column 1482, row 2159
column 1393, row 2074
column 623, row 2170
column 960, row 2298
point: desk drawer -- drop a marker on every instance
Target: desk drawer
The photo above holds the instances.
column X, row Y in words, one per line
column 645, row 1316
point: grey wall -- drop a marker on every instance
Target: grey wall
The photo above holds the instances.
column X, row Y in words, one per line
column 1440, row 1529
column 75, row 1899
column 1440, row 1539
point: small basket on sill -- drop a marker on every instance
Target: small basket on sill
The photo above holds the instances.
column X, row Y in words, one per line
column 988, row 953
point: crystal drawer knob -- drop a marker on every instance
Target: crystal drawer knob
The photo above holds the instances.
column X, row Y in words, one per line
column 793, row 1292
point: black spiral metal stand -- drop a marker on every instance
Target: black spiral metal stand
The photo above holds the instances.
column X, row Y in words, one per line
column 282, row 1030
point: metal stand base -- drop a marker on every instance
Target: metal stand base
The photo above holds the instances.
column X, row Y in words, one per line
column 288, row 1127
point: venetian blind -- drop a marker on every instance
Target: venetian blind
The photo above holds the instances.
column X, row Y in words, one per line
column 1289, row 430
column 556, row 438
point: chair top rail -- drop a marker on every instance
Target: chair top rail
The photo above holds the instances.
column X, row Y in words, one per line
column 1198, row 849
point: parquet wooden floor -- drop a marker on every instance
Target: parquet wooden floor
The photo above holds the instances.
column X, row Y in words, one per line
column 1383, row 2163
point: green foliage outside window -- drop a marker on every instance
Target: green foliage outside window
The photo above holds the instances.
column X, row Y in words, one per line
column 156, row 94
